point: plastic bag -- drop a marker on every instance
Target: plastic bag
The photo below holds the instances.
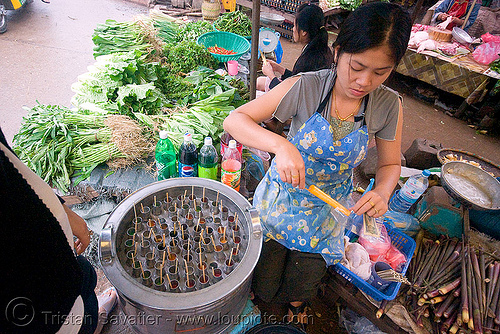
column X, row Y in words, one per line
column 487, row 53
column 403, row 222
column 394, row 258
column 356, row 324
column 376, row 247
column 490, row 38
column 356, row 259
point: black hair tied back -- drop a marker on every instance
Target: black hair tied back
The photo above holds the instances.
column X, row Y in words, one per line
column 317, row 55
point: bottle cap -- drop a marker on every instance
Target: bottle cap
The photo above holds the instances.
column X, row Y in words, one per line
column 208, row 140
column 426, row 173
column 188, row 137
column 232, row 143
column 163, row 134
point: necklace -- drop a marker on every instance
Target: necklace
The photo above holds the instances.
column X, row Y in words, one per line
column 337, row 112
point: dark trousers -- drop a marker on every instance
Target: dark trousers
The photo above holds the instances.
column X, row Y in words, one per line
column 283, row 275
column 89, row 281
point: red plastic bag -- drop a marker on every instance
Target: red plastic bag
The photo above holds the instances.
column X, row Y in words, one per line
column 376, row 247
column 394, row 258
column 490, row 38
column 487, row 53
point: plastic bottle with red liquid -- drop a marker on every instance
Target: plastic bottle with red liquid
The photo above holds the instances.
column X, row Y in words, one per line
column 231, row 166
column 224, row 143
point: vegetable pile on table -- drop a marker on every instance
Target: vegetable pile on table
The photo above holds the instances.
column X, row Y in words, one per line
column 149, row 74
column 235, row 22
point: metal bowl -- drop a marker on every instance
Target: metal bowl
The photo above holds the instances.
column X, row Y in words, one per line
column 271, row 18
column 471, row 186
column 461, row 36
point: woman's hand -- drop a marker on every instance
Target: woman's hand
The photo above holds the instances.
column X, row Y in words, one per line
column 277, row 67
column 372, row 203
column 290, row 165
column 268, row 70
column 80, row 230
column 443, row 16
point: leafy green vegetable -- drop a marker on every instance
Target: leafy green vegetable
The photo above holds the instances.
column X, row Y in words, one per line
column 187, row 56
column 192, row 30
column 207, row 83
column 119, row 82
column 495, row 66
column 350, row 4
column 235, row 22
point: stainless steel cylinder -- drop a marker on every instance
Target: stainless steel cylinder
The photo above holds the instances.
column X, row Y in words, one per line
column 227, row 294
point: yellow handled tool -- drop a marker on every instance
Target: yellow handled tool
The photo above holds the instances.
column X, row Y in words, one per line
column 327, row 199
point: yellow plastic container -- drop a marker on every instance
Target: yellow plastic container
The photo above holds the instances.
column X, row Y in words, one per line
column 229, row 5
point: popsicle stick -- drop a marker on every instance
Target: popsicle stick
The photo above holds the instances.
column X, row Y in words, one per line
column 217, row 199
column 213, row 241
column 204, row 279
column 163, row 237
column 135, row 214
column 167, row 195
column 161, row 271
column 168, row 251
column 169, row 281
column 213, row 271
column 163, row 262
column 187, row 271
column 203, row 193
column 189, row 248
column 142, row 208
column 230, row 258
column 154, row 199
column 142, row 270
column 236, row 220
column 192, row 191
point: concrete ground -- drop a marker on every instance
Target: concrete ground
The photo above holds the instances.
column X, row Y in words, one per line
column 48, row 45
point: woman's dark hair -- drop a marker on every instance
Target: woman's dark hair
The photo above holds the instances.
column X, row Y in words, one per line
column 317, row 55
column 373, row 25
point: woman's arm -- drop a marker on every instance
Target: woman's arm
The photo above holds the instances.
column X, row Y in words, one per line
column 79, row 228
column 388, row 171
column 243, row 125
column 441, row 9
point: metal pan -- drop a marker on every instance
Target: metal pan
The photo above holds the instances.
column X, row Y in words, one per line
column 445, row 154
column 471, row 186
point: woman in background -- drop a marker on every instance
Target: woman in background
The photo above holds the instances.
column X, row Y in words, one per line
column 308, row 30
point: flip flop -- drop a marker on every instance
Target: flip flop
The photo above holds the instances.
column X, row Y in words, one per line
column 107, row 300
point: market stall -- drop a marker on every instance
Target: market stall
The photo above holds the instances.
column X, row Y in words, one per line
column 147, row 77
column 448, row 65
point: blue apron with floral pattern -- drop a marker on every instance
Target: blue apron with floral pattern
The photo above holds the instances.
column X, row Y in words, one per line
column 294, row 217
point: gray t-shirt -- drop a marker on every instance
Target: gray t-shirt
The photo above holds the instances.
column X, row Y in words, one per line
column 304, row 97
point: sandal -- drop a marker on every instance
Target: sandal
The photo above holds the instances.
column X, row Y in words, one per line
column 296, row 311
column 107, row 301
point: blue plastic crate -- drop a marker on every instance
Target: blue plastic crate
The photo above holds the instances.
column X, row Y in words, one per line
column 404, row 244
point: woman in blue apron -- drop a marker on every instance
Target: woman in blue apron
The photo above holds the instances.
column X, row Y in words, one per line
column 335, row 112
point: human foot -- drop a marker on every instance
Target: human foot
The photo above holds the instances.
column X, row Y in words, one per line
column 107, row 301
